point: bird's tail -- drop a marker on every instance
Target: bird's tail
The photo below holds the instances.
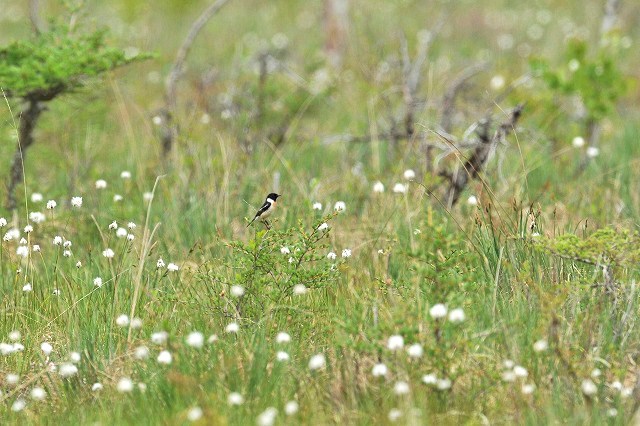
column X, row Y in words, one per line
column 253, row 220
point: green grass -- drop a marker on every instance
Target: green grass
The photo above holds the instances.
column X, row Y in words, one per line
column 409, row 252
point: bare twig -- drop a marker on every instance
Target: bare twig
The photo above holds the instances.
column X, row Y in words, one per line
column 27, row 124
column 449, row 98
column 170, row 131
column 34, row 16
column 610, row 18
column 474, row 165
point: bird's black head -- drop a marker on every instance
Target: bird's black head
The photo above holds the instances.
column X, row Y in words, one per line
column 273, row 196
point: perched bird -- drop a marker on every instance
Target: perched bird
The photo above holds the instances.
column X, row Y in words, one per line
column 266, row 209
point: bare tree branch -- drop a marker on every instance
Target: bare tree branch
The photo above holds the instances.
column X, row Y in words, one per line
column 474, row 165
column 170, row 131
column 449, row 98
column 34, row 16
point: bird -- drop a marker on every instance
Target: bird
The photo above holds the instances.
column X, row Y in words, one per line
column 266, row 209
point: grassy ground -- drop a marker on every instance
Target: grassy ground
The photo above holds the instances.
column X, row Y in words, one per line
column 539, row 341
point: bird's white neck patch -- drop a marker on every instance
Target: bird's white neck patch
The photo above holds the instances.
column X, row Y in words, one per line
column 270, row 201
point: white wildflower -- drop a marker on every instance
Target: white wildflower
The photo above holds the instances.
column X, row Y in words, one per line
column 438, row 311
column 395, row 342
column 194, row 414
column 113, row 225
column 317, row 206
column 540, row 346
column 283, row 337
column 96, row 387
column 379, row 370
column 520, row 371
column 527, row 389
column 415, row 350
column 76, row 201
column 101, row 184
column 237, row 291
column 394, row 415
column 57, row 240
column 67, row 369
column 443, row 384
column 160, row 264
column 578, row 142
column 588, row 387
column 401, row 388
column 37, row 217
column 323, row 227
column 409, row 174
column 125, row 174
column 159, row 337
column 232, row 327
column 108, row 253
column 124, row 385
column 38, row 394
column 291, row 407
column 51, row 204
column 27, row 288
column 141, row 352
column 346, row 253
column 430, row 379
column 267, row 417
column 195, row 339
column 172, row 267
column 317, row 362
column 457, row 315
column 378, row 187
column 592, row 152
column 165, row 357
column 299, row 289
column 340, row 206
column 122, row 320
column 36, row 197
column 282, row 356
column 472, row 200
column 136, row 323
column 18, row 405
column 331, row 256
column 235, row 398
column 400, row 188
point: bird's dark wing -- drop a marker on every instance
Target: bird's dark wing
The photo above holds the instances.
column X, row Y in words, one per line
column 261, row 210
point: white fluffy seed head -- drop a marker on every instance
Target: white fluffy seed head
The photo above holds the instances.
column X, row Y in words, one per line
column 195, row 339
column 395, row 342
column 317, row 362
column 124, row 385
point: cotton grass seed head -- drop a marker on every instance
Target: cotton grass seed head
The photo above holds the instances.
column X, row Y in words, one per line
column 141, row 352
column 317, row 206
column 125, row 385
column 378, row 187
column 172, row 267
column 401, row 388
column 164, row 357
column 400, row 188
column 379, row 370
column 443, row 384
column 38, row 394
column 267, row 417
column 430, row 379
column 232, row 327
column 340, row 206
column 136, row 323
column 291, row 408
column 541, row 345
column 409, row 174
column 108, row 253
column 76, row 201
column 457, row 316
column 283, row 337
column 438, row 311
column 101, row 184
column 12, row 379
column 51, row 204
column 415, row 350
column 588, row 387
column 36, row 197
column 317, row 362
column 194, row 414
column 46, row 348
column 122, row 320
column 235, row 398
column 159, row 337
column 195, row 339
column 67, row 370
column 395, row 342
column 282, row 356
column 237, row 291
column 18, row 405
column 96, row 387
column 299, row 289
column 394, row 415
